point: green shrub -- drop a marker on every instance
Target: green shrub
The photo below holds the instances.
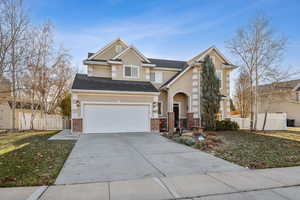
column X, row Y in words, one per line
column 227, row 125
column 186, row 140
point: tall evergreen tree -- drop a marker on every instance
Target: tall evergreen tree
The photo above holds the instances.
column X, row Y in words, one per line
column 210, row 94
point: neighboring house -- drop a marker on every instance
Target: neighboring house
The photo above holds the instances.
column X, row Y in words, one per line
column 124, row 91
column 281, row 97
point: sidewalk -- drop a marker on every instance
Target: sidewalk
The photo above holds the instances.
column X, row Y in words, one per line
column 273, row 184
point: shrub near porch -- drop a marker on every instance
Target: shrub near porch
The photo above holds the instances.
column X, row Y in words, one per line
column 29, row 158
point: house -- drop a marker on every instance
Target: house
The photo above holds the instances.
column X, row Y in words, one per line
column 125, row 91
column 281, row 97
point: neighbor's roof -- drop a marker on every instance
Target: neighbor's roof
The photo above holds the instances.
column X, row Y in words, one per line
column 24, row 105
column 84, row 82
column 283, row 86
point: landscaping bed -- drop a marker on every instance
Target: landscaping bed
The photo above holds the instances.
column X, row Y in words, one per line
column 29, row 158
column 252, row 150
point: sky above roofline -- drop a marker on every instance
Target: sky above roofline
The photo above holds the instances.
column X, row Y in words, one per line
column 169, row 29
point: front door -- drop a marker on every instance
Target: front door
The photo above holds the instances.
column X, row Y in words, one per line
column 176, row 114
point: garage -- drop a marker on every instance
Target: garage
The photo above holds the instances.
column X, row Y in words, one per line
column 114, row 118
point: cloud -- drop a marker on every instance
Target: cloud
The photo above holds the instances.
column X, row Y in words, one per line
column 150, row 30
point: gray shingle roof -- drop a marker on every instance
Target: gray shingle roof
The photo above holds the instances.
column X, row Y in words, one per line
column 84, row 82
column 175, row 64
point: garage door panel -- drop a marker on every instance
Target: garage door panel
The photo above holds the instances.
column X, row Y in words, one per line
column 116, row 118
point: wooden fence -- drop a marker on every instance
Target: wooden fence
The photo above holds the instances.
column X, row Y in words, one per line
column 40, row 122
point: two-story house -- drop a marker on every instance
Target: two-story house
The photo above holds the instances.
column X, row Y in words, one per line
column 125, row 91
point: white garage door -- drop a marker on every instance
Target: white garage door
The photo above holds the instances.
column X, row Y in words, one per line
column 116, row 118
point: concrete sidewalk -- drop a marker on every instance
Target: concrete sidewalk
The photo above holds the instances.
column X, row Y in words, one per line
column 267, row 184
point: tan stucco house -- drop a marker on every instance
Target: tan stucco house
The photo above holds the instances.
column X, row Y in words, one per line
column 125, row 91
column 282, row 97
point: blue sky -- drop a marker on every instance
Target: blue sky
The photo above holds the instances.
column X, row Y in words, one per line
column 172, row 29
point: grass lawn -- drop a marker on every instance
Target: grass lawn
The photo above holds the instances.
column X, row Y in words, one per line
column 29, row 158
column 258, row 150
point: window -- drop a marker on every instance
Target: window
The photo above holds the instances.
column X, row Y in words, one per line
column 159, row 108
column 131, row 71
column 220, row 77
column 118, row 48
column 156, row 77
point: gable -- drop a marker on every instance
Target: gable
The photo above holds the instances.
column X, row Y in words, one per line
column 130, row 57
column 212, row 51
column 131, row 49
column 183, row 82
column 110, row 50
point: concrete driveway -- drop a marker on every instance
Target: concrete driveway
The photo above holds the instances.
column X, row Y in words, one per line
column 126, row 156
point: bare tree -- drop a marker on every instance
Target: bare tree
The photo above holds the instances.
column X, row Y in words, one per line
column 48, row 72
column 260, row 50
column 14, row 23
column 242, row 93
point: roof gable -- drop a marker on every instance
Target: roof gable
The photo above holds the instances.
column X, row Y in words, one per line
column 137, row 52
column 107, row 47
column 201, row 56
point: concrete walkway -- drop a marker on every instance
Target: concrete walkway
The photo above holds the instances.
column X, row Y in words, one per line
column 267, row 184
column 129, row 156
column 64, row 135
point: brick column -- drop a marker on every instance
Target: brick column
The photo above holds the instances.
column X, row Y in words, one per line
column 155, row 124
column 190, row 120
column 76, row 125
column 171, row 119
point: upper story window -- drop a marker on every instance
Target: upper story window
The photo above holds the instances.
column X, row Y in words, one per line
column 220, row 77
column 118, row 48
column 156, row 77
column 131, row 71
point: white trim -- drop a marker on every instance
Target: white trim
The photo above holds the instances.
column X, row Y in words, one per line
column 148, row 65
column 90, row 62
column 135, row 50
column 113, row 91
column 156, row 75
column 112, row 103
column 115, row 62
column 106, row 47
column 131, row 77
column 167, row 69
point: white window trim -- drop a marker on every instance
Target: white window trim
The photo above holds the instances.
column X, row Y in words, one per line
column 132, row 66
column 156, row 81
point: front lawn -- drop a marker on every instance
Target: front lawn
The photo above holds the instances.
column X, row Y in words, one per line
column 258, row 151
column 29, row 158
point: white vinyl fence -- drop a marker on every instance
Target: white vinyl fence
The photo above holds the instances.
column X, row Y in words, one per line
column 275, row 121
column 40, row 122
